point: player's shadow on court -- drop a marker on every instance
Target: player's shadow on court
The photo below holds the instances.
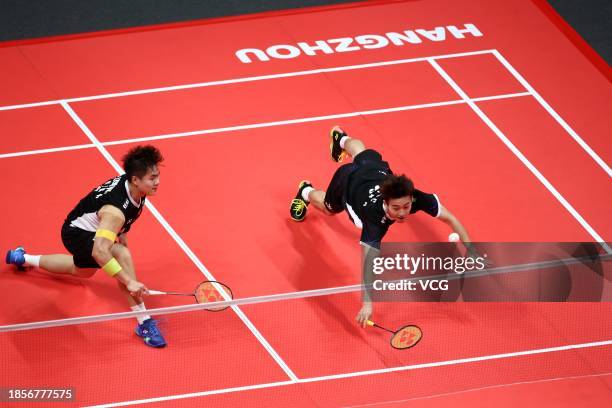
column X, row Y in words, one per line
column 321, row 264
column 75, row 290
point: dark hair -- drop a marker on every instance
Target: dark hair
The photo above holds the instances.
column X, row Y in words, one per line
column 138, row 160
column 396, row 187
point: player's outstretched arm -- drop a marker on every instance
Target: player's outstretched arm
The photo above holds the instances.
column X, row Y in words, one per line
column 368, row 253
column 111, row 221
column 449, row 219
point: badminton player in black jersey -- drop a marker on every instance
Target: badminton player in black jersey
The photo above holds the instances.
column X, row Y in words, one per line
column 95, row 234
column 373, row 197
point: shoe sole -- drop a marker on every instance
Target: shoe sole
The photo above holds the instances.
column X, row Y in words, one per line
column 331, row 147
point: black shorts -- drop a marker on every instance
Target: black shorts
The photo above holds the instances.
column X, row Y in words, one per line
column 80, row 244
column 335, row 195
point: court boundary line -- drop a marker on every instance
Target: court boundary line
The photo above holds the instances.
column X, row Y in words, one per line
column 519, row 155
column 182, row 244
column 500, row 58
column 242, row 80
column 262, row 125
column 569, row 130
column 306, row 380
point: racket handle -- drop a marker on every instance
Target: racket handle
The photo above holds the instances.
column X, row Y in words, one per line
column 156, row 292
column 371, row 323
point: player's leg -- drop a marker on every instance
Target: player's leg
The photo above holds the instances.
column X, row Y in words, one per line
column 330, row 201
column 317, row 198
column 59, row 264
column 342, row 144
column 307, row 194
column 64, row 265
column 147, row 327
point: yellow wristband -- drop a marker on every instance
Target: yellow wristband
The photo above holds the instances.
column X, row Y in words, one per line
column 104, row 233
column 112, row 267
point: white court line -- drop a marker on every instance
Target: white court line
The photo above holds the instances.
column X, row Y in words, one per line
column 490, row 387
column 496, row 53
column 181, row 243
column 44, row 151
column 244, row 79
column 263, row 125
column 365, row 373
column 521, row 157
column 553, row 113
column 312, row 119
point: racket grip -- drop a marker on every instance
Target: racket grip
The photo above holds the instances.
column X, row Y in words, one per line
column 370, row 323
column 156, row 292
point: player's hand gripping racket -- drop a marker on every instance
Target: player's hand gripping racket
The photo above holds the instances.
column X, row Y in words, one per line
column 205, row 292
column 405, row 337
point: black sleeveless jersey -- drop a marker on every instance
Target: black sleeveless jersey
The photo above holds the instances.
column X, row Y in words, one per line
column 114, row 192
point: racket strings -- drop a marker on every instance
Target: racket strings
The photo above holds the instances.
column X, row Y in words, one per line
column 210, row 292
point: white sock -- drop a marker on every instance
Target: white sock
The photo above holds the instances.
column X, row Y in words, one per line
column 138, row 308
column 344, row 140
column 305, row 193
column 32, row 260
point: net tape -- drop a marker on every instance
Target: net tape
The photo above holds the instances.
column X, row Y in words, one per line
column 235, row 303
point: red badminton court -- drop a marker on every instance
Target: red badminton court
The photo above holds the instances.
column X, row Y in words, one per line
column 498, row 107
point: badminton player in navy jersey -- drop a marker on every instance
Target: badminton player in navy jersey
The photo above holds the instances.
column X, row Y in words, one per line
column 95, row 234
column 373, row 197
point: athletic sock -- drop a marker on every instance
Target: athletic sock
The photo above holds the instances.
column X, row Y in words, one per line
column 138, row 308
column 305, row 193
column 344, row 140
column 32, row 260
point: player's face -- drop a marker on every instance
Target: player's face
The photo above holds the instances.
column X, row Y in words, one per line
column 399, row 208
column 148, row 184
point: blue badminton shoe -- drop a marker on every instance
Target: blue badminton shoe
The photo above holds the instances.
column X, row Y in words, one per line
column 150, row 333
column 16, row 257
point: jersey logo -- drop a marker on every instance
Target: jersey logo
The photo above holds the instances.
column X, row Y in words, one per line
column 107, row 187
column 374, row 194
column 125, row 205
